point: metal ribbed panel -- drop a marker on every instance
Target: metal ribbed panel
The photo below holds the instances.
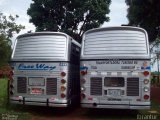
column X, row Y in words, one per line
column 41, row 47
column 51, row 86
column 96, row 86
column 115, row 42
column 132, row 86
column 21, row 85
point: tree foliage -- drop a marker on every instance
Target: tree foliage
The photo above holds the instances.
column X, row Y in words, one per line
column 8, row 27
column 73, row 17
column 145, row 13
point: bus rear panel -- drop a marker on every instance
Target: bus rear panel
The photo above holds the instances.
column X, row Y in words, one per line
column 115, row 68
column 43, row 71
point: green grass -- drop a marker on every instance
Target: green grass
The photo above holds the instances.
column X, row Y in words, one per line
column 3, row 92
column 7, row 109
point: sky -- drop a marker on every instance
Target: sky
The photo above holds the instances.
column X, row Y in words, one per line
column 118, row 12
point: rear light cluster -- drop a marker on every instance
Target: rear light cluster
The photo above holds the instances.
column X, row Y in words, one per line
column 83, row 81
column 146, row 88
column 63, row 85
column 11, row 86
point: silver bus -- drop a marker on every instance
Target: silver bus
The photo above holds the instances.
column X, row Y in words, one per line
column 45, row 70
column 115, row 68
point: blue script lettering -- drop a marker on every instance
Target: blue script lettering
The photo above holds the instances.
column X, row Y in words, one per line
column 35, row 67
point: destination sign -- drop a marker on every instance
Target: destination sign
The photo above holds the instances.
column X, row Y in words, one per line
column 117, row 62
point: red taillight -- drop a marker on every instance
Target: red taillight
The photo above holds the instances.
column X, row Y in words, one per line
column 63, row 74
column 83, row 96
column 63, row 95
column 63, row 81
column 145, row 73
column 146, row 97
column 83, row 72
column 63, row 88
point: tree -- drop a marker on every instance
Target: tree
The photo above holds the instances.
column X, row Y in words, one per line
column 73, row 17
column 7, row 28
column 145, row 13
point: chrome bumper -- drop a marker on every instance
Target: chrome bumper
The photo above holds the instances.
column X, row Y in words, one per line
column 144, row 105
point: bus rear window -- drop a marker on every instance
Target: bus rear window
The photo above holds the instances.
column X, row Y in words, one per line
column 114, row 82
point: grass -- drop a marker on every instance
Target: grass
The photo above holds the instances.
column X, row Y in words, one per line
column 7, row 110
column 3, row 93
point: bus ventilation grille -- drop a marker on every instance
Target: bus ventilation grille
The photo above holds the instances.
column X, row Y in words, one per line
column 96, row 86
column 132, row 86
column 21, row 84
column 51, row 88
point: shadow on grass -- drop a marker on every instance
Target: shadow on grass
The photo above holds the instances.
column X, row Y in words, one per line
column 109, row 114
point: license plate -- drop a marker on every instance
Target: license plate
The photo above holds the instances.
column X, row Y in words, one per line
column 114, row 92
column 36, row 91
column 36, row 81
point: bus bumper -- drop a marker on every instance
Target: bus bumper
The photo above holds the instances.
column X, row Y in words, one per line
column 40, row 102
column 144, row 105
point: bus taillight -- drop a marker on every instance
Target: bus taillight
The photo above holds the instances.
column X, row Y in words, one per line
column 63, row 74
column 146, row 97
column 83, row 88
column 146, row 89
column 63, row 81
column 83, row 72
column 63, row 95
column 63, row 88
column 146, row 81
column 145, row 73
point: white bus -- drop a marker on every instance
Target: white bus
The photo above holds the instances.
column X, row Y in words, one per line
column 45, row 70
column 115, row 68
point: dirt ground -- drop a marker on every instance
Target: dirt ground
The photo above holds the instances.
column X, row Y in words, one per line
column 155, row 94
column 77, row 113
